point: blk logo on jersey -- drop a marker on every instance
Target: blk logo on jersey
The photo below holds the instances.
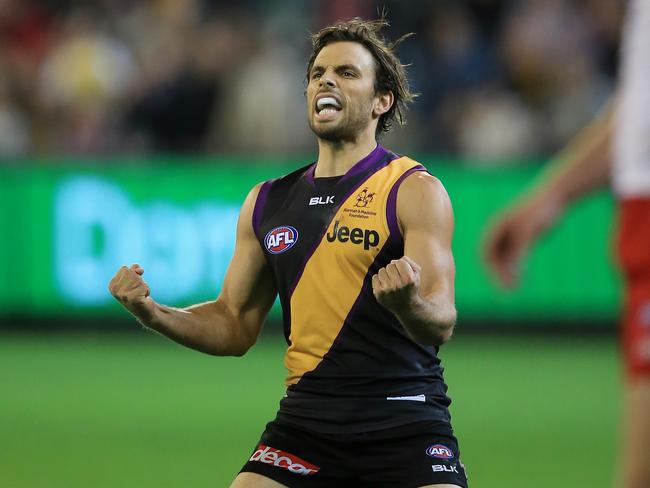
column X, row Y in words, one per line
column 369, row 238
column 281, row 239
column 440, row 451
column 321, row 200
column 281, row 459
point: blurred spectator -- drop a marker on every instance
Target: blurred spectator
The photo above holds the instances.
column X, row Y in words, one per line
column 84, row 79
column 498, row 79
column 14, row 133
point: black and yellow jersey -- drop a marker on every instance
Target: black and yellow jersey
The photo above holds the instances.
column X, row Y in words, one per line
column 351, row 365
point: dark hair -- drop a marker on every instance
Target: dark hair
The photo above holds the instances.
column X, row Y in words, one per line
column 390, row 73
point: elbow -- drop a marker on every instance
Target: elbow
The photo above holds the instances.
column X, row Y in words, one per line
column 438, row 332
column 445, row 333
column 237, row 350
column 244, row 340
column 242, row 349
column 446, row 327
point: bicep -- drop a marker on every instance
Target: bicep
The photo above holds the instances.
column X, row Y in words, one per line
column 426, row 218
column 249, row 286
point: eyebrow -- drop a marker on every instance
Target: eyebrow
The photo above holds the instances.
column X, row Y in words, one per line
column 340, row 67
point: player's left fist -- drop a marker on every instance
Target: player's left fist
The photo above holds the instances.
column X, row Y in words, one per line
column 396, row 286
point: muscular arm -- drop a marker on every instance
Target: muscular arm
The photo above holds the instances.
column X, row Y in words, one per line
column 582, row 167
column 419, row 288
column 226, row 326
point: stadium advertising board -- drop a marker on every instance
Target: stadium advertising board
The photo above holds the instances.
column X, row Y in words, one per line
column 68, row 226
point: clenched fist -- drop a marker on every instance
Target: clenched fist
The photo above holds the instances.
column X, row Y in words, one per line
column 128, row 287
column 397, row 285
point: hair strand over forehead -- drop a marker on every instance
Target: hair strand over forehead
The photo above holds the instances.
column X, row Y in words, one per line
column 390, row 73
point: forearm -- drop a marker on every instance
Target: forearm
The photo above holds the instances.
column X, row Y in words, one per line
column 207, row 327
column 429, row 321
column 582, row 167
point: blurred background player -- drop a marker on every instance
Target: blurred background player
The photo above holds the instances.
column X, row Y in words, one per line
column 366, row 285
column 616, row 146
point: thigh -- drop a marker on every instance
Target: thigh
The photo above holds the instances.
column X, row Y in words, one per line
column 636, row 436
column 636, row 327
column 254, row 480
column 441, row 486
column 426, row 455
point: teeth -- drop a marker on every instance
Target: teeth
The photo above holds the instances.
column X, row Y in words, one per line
column 327, row 101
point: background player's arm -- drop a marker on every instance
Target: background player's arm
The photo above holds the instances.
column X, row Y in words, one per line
column 582, row 167
column 226, row 326
column 419, row 288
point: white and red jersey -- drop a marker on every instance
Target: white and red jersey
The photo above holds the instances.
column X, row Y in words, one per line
column 631, row 171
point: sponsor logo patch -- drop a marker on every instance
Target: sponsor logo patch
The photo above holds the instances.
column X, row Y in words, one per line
column 284, row 460
column 342, row 233
column 364, row 198
column 440, row 451
column 321, row 200
column 280, row 239
column 440, row 468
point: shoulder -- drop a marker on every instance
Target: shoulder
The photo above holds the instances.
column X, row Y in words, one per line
column 423, row 200
column 291, row 178
column 422, row 186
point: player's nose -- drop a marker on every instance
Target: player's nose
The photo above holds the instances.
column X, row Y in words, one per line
column 327, row 79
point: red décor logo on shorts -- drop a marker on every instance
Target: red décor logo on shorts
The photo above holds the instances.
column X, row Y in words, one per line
column 275, row 457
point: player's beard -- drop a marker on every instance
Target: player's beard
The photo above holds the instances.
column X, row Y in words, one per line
column 347, row 128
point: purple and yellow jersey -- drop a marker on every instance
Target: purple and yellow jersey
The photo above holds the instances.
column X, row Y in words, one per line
column 351, row 366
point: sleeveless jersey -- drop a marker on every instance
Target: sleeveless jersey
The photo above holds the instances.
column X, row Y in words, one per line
column 351, row 365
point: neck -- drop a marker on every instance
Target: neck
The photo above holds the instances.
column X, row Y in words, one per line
column 336, row 158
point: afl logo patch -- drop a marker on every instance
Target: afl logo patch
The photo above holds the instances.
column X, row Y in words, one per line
column 280, row 239
column 439, row 451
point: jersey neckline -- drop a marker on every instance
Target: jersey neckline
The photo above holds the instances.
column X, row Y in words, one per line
column 362, row 165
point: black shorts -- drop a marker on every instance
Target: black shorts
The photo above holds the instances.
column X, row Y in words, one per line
column 408, row 456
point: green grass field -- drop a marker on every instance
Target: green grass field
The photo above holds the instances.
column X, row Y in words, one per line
column 139, row 411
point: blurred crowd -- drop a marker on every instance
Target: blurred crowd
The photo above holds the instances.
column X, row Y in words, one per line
column 498, row 79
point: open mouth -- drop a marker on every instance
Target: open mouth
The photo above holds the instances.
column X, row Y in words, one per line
column 327, row 107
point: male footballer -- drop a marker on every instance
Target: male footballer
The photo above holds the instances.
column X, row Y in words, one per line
column 358, row 247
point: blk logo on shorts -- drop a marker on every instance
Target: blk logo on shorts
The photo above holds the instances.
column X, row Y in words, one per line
column 284, row 460
column 280, row 239
column 440, row 451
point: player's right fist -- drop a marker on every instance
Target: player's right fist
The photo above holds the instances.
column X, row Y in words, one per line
column 128, row 287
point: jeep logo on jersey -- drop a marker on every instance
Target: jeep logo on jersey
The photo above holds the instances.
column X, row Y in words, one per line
column 290, row 462
column 321, row 200
column 369, row 238
column 280, row 239
column 439, row 451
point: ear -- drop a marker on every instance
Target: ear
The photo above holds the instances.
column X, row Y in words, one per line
column 383, row 102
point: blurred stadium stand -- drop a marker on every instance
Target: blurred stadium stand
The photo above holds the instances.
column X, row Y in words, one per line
column 497, row 78
column 125, row 125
